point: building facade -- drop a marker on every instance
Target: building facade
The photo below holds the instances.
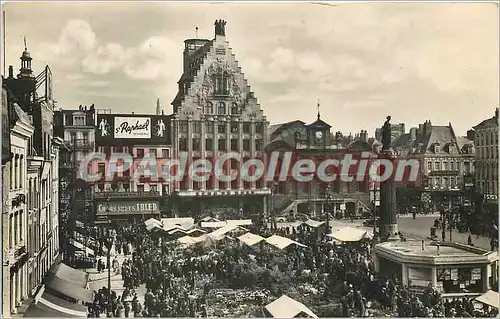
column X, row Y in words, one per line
column 446, row 164
column 215, row 112
column 486, row 141
column 30, row 212
column 77, row 130
column 128, row 195
column 316, row 141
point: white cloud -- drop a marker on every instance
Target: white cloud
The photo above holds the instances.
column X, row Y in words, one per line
column 105, row 59
column 74, row 77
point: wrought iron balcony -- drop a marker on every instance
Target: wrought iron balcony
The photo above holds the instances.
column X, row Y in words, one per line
column 126, row 194
column 20, row 251
column 80, row 144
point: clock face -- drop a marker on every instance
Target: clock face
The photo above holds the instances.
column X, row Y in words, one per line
column 319, row 135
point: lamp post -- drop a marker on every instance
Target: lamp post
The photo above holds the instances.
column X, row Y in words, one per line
column 328, row 197
column 109, row 245
column 273, row 211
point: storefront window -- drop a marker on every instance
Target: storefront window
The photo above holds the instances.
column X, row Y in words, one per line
column 460, row 280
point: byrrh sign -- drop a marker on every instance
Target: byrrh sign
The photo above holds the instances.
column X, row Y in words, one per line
column 128, row 208
column 132, row 127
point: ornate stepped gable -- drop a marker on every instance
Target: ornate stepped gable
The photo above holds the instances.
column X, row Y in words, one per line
column 198, row 84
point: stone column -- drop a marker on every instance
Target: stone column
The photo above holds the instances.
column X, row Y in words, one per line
column 240, row 150
column 190, row 152
column 252, row 146
column 404, row 274
column 228, row 149
column 434, row 276
column 215, row 123
column 388, row 222
column 203, row 150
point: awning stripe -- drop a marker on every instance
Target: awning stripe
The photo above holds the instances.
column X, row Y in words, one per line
column 62, row 309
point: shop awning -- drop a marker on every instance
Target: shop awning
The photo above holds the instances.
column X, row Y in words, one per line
column 350, row 234
column 489, row 298
column 152, row 224
column 250, row 239
column 82, row 247
column 286, row 307
column 51, row 306
column 69, row 289
column 65, row 272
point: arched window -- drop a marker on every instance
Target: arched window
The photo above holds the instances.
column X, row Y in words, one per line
column 209, row 108
column 221, row 84
column 221, row 108
column 235, row 109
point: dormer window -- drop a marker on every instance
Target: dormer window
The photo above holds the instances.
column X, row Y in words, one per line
column 436, row 148
column 451, row 148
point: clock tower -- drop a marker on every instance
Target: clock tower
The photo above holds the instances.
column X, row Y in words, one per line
column 318, row 133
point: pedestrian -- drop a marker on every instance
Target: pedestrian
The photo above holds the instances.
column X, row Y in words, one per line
column 469, row 241
column 443, row 234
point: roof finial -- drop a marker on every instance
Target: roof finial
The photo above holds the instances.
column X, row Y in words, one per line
column 318, row 110
column 158, row 107
column 196, row 28
column 25, row 45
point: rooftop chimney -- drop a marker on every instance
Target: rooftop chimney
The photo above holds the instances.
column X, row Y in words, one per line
column 496, row 113
column 413, row 133
column 11, row 71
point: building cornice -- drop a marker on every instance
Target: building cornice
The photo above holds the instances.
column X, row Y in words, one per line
column 23, row 129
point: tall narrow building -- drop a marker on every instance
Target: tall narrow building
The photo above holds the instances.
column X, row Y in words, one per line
column 215, row 112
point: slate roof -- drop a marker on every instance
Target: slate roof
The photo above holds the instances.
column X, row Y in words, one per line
column 423, row 144
column 488, row 122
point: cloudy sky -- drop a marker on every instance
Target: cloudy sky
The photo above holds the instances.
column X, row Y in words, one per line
column 363, row 61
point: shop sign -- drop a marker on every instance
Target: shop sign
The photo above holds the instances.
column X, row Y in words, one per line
column 128, row 208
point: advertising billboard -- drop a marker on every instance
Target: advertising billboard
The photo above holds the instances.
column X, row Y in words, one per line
column 125, row 129
column 132, row 127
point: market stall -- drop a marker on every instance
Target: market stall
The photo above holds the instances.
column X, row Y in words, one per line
column 350, row 234
column 286, row 307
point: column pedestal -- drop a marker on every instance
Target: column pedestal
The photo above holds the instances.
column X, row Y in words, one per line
column 388, row 228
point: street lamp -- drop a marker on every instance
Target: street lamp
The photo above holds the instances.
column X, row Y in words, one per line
column 109, row 245
column 328, row 197
column 274, row 189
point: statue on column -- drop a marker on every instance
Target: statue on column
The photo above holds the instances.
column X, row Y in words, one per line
column 386, row 135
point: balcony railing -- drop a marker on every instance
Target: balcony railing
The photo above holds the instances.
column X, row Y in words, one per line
column 126, row 194
column 445, row 173
column 79, row 144
column 20, row 251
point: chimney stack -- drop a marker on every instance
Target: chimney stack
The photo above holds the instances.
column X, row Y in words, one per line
column 496, row 113
column 11, row 71
column 413, row 134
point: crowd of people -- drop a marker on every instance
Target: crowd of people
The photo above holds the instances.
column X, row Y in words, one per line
column 179, row 279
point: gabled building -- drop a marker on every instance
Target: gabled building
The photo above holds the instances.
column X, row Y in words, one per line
column 216, row 112
column 446, row 164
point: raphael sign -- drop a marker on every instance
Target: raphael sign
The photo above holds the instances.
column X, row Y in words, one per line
column 132, row 127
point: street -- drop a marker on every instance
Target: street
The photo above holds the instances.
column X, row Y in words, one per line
column 419, row 228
